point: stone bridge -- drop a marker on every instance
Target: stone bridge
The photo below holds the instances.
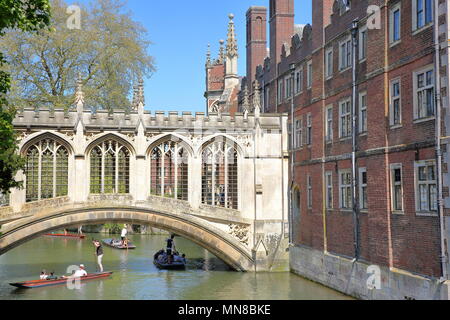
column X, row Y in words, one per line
column 218, row 180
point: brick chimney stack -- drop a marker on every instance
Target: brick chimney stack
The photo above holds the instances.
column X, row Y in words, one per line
column 256, row 40
column 321, row 17
column 281, row 28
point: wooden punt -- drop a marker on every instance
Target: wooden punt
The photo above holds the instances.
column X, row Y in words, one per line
column 46, row 283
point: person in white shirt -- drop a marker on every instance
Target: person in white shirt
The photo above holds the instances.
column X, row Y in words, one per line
column 123, row 234
column 43, row 275
column 80, row 272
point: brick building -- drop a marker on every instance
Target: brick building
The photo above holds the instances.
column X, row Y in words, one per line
column 389, row 197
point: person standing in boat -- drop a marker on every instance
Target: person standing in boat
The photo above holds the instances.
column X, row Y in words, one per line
column 123, row 234
column 170, row 249
column 98, row 254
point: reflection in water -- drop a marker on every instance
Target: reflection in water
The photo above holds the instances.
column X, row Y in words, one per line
column 135, row 276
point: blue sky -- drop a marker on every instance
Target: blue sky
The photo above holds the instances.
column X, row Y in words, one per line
column 180, row 31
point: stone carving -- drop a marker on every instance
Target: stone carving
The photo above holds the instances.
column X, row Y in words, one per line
column 240, row 232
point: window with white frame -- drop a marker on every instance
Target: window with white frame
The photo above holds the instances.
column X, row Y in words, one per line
column 422, row 13
column 362, row 43
column 363, row 112
column 329, row 190
column 395, row 24
column 329, row 124
column 299, row 80
column 280, row 91
column 396, row 187
column 287, row 87
column 345, row 119
column 298, row 133
column 309, row 186
column 363, row 203
column 345, row 54
column 345, row 189
column 329, row 63
column 309, row 129
column 424, row 93
column 395, row 103
column 309, row 74
column 426, row 187
column 266, row 99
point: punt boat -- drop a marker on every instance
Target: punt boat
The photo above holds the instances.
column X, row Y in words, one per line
column 62, row 235
column 117, row 244
column 46, row 283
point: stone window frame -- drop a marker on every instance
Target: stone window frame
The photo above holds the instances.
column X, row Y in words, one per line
column 345, row 43
column 229, row 146
column 415, row 27
column 362, row 117
column 423, row 71
column 299, row 79
column 116, row 151
column 309, row 192
column 329, row 124
column 362, row 48
column 348, row 116
column 392, row 168
column 57, row 175
column 329, row 66
column 298, row 133
column 392, row 41
column 309, row 135
column 363, row 188
column 180, row 188
column 329, row 190
column 309, row 74
column 428, row 183
column 348, row 187
column 392, row 100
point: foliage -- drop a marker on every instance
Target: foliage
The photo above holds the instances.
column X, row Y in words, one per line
column 113, row 228
column 109, row 51
column 19, row 15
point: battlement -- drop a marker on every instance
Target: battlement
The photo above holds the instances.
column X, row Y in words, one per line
column 129, row 120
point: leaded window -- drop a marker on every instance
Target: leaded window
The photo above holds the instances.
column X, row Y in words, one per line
column 169, row 171
column 110, row 168
column 47, row 165
column 220, row 175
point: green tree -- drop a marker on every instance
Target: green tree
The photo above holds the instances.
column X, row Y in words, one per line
column 20, row 15
column 109, row 51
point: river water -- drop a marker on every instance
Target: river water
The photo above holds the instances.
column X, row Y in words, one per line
column 135, row 277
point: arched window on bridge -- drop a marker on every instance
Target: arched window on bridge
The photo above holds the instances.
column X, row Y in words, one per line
column 110, row 168
column 220, row 175
column 169, row 171
column 47, row 167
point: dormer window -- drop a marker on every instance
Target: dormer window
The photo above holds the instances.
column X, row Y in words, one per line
column 345, row 6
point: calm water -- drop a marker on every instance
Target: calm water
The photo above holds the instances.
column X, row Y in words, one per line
column 135, row 276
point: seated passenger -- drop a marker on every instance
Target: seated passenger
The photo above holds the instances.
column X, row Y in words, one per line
column 52, row 276
column 43, row 275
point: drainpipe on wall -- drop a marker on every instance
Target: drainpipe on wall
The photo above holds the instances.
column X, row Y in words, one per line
column 354, row 146
column 438, row 138
column 292, row 160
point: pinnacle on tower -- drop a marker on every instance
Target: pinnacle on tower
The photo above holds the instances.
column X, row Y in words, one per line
column 140, row 92
column 208, row 56
column 246, row 101
column 256, row 97
column 221, row 57
column 79, row 94
column 232, row 48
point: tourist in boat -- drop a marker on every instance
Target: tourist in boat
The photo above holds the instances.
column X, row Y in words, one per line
column 178, row 258
column 99, row 254
column 81, row 272
column 170, row 249
column 43, row 275
column 52, row 276
column 158, row 254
